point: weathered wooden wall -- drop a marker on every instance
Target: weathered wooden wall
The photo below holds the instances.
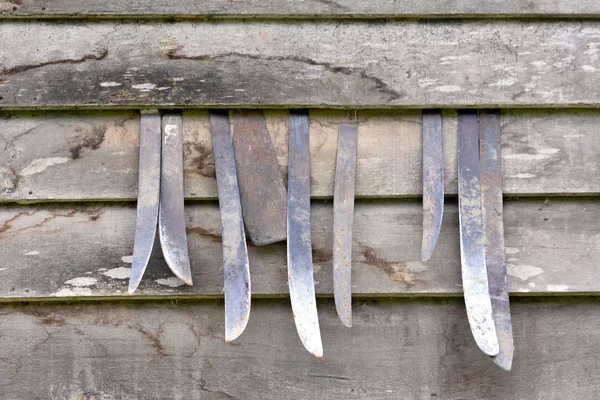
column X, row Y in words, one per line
column 73, row 77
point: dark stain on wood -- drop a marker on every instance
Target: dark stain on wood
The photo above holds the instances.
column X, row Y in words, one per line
column 90, row 140
column 201, row 158
column 397, row 271
column 205, row 233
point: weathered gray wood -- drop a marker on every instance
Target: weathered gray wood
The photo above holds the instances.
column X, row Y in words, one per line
column 291, row 9
column 300, row 64
column 94, row 155
column 62, row 251
column 402, row 349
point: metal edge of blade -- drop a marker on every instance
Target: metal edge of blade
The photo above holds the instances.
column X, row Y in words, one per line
column 171, row 215
column 493, row 228
column 148, row 196
column 433, row 181
column 343, row 216
column 299, row 254
column 236, row 269
column 473, row 266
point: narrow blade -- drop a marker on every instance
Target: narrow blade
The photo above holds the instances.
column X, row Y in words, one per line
column 148, row 195
column 262, row 189
column 299, row 253
column 343, row 213
column 171, row 220
column 493, row 227
column 236, row 270
column 433, row 181
column 472, row 253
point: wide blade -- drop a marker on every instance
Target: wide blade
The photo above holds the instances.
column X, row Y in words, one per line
column 299, row 253
column 171, row 219
column 262, row 189
column 472, row 253
column 148, row 195
column 493, row 227
column 236, row 270
column 433, row 181
column 343, row 213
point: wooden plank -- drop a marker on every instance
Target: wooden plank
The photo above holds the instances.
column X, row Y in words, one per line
column 417, row 64
column 544, row 151
column 66, row 251
column 402, row 349
column 285, row 9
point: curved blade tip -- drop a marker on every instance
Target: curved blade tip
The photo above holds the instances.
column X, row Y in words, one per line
column 426, row 255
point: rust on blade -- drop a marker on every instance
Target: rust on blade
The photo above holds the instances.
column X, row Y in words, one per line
column 262, row 189
column 299, row 246
column 236, row 271
column 148, row 196
column 493, row 227
column 433, row 181
column 472, row 252
column 171, row 219
column 343, row 214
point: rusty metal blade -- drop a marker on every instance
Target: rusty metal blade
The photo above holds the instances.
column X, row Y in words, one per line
column 148, row 196
column 171, row 219
column 299, row 248
column 236, row 270
column 343, row 214
column 472, row 252
column 493, row 228
column 262, row 190
column 433, row 181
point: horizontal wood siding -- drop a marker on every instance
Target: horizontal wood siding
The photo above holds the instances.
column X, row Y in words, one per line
column 69, row 251
column 418, row 64
column 94, row 155
column 294, row 9
column 395, row 350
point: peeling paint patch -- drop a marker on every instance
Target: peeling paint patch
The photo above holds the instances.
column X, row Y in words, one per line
column 557, row 288
column 127, row 259
column 118, row 273
column 170, row 282
column 72, row 292
column 41, row 164
column 3, row 269
column 144, row 87
column 531, row 284
column 524, row 176
column 82, row 281
column 511, row 250
column 588, row 68
column 504, row 82
column 32, row 253
column 523, row 272
column 110, row 84
column 448, row 88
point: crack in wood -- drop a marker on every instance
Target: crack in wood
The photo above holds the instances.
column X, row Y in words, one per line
column 26, row 67
column 379, row 84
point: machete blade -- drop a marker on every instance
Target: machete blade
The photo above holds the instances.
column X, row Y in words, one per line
column 236, row 270
column 299, row 248
column 433, row 181
column 472, row 252
column 148, row 196
column 343, row 213
column 261, row 186
column 171, row 219
column 493, row 227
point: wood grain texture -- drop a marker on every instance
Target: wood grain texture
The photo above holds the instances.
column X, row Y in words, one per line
column 94, row 155
column 66, row 251
column 371, row 64
column 402, row 349
column 306, row 8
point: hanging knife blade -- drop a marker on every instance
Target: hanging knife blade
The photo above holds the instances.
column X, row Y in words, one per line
column 343, row 213
column 493, row 227
column 262, row 190
column 474, row 272
column 433, row 181
column 148, row 196
column 299, row 248
column 171, row 219
column 236, row 270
